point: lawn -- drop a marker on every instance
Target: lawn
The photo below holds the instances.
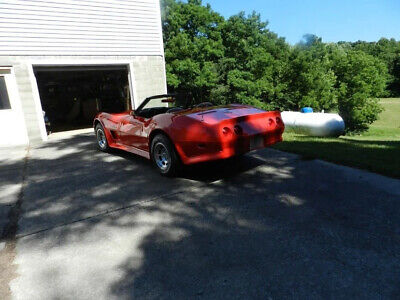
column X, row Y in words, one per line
column 377, row 150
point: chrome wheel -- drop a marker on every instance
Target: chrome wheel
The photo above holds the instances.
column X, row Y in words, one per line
column 162, row 157
column 101, row 139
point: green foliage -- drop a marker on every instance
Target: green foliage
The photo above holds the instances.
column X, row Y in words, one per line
column 388, row 51
column 361, row 78
column 240, row 60
column 377, row 150
column 311, row 81
column 253, row 62
column 193, row 46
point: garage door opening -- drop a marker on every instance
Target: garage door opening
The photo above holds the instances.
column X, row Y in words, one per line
column 72, row 96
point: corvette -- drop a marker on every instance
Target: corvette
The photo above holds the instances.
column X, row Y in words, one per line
column 171, row 135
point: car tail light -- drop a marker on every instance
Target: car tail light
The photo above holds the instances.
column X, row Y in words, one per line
column 271, row 122
column 238, row 130
column 226, row 130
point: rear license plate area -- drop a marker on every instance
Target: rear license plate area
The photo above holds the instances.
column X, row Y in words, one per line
column 256, row 142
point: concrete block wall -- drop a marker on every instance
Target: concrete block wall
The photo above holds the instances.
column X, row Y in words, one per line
column 149, row 77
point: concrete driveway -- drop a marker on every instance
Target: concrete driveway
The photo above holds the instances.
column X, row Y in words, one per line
column 269, row 226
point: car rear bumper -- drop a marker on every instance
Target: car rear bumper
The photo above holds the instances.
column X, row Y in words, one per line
column 192, row 153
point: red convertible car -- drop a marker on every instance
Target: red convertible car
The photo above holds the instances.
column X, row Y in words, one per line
column 169, row 134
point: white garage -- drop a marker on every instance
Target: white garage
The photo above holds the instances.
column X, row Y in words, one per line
column 71, row 59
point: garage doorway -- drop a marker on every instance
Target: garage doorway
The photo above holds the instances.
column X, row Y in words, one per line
column 72, row 95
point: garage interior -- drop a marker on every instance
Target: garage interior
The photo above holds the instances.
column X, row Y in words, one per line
column 72, row 95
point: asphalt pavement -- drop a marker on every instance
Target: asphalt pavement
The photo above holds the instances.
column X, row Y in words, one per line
column 271, row 225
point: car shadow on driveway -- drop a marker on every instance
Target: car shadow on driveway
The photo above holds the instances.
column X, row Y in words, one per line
column 207, row 172
column 266, row 225
column 219, row 170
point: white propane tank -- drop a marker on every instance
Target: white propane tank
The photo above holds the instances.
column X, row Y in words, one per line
column 314, row 124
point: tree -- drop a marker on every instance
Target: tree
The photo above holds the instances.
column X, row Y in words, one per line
column 241, row 60
column 193, row 46
column 311, row 80
column 361, row 78
column 310, row 40
column 255, row 60
column 388, row 51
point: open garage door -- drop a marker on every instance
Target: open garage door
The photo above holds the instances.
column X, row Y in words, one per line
column 72, row 95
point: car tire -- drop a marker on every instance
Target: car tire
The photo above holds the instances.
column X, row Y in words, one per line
column 164, row 156
column 102, row 143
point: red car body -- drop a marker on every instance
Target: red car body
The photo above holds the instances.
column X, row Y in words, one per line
column 198, row 134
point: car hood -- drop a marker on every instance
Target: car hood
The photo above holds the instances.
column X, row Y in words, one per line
column 216, row 114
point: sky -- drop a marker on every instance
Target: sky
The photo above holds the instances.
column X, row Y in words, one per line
column 333, row 20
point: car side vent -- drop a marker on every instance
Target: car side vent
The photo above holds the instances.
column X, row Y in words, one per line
column 113, row 134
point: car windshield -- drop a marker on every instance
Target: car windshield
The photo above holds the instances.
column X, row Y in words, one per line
column 156, row 105
column 170, row 101
column 160, row 104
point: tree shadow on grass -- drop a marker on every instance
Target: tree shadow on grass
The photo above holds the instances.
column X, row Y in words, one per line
column 388, row 144
column 377, row 156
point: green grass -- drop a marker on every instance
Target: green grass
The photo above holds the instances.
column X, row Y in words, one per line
column 377, row 150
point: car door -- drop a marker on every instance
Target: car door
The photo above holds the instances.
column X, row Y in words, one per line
column 131, row 131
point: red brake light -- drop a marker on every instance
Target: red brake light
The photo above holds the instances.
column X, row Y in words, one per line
column 238, row 130
column 226, row 130
column 270, row 121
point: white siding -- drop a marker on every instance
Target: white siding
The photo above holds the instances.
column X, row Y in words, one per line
column 80, row 27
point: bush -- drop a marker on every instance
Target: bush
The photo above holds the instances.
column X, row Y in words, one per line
column 361, row 78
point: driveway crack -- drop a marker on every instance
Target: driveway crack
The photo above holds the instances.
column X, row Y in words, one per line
column 100, row 214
